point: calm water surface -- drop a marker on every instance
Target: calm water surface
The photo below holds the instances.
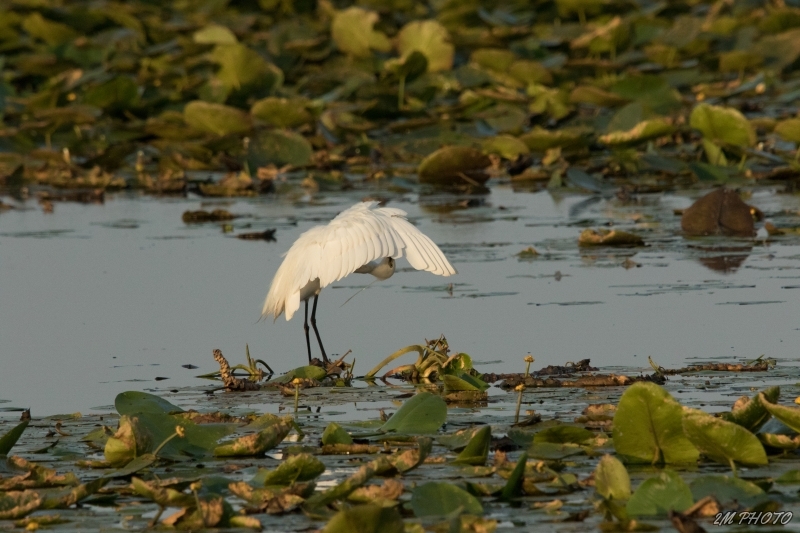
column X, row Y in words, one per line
column 97, row 299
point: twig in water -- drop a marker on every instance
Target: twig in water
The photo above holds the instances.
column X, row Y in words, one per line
column 232, row 383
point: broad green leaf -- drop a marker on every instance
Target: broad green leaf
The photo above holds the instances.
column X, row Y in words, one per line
column 297, row 468
column 553, row 451
column 421, row 414
column 336, row 434
column 458, row 440
column 781, row 442
column 8, row 440
column 282, row 112
column 120, row 92
column 53, row 33
column 506, row 146
column 611, row 480
column 244, row 69
column 659, row 495
column 564, row 434
column 751, row 414
column 135, row 402
column 214, row 34
column 447, row 165
column 368, row 518
column 499, row 59
column 541, row 140
column 789, row 130
column 790, row 477
column 722, row 125
column 280, row 147
column 642, row 132
column 514, row 483
column 454, row 383
column 343, row 489
column 722, row 441
column 588, row 94
column 608, row 237
column 213, row 118
column 648, row 427
column 727, row 490
column 64, row 498
column 407, row 460
column 257, row 443
column 352, row 31
column 431, row 39
column 303, row 372
column 652, row 92
column 477, row 450
column 530, row 72
column 440, row 498
column 790, row 416
column 134, row 465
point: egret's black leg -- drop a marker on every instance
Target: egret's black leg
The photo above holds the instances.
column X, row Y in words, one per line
column 314, row 325
column 305, row 327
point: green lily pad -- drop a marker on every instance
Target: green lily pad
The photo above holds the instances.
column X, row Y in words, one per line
column 752, row 414
column 530, row 72
column 564, row 434
column 303, row 372
column 120, row 92
column 788, row 415
column 257, row 443
column 513, row 487
column 280, row 147
column 608, row 237
column 297, row 468
column 727, row 490
column 541, row 140
column 352, row 31
column 659, row 495
column 458, row 440
column 722, row 441
column 282, row 112
column 722, row 125
column 477, row 450
column 244, row 70
column 213, row 118
column 611, row 479
column 789, row 130
column 498, row 59
column 336, row 434
column 439, row 498
column 423, row 413
column 11, row 437
column 447, row 165
column 554, row 451
column 53, row 33
column 214, row 34
column 642, row 132
column 648, row 427
column 135, row 402
column 366, row 519
column 506, row 146
column 431, row 39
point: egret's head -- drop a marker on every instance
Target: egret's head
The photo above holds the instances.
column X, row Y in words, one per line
column 385, row 268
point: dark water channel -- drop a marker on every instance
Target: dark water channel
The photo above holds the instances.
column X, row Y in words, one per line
column 100, row 298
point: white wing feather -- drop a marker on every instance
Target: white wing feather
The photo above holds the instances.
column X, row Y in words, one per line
column 358, row 235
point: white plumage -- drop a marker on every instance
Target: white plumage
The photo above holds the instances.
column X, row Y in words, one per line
column 354, row 241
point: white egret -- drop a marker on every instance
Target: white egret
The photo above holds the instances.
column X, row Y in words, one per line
column 364, row 239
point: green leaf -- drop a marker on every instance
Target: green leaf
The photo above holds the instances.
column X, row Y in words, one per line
column 727, row 490
column 282, row 112
column 477, row 450
column 439, row 498
column 564, row 434
column 280, row 147
column 213, row 118
column 352, row 31
column 659, row 495
column 553, row 451
column 407, row 460
column 214, row 34
column 134, row 465
column 752, row 414
column 245, row 71
column 120, row 92
column 454, row 383
column 652, row 92
column 303, row 372
column 611, row 480
column 431, row 39
column 722, row 441
column 135, row 402
column 513, row 486
column 722, row 125
column 506, row 146
column 336, row 434
column 257, row 443
column 53, row 33
column 789, row 130
column 540, row 139
column 447, row 165
column 648, row 427
column 343, row 489
column 366, row 519
column 788, row 415
column 297, row 468
column 642, row 132
column 8, row 440
column 421, row 414
column 458, row 440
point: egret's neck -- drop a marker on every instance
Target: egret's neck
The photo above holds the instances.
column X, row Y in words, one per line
column 382, row 269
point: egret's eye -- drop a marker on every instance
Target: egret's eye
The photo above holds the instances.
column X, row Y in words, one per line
column 391, row 262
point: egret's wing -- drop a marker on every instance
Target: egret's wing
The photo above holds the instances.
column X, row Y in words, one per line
column 358, row 235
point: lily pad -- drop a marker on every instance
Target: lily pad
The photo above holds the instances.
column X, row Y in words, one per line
column 789, row 130
column 720, row 212
column 477, row 450
column 751, row 413
column 659, row 495
column 423, row 413
column 257, row 443
column 431, row 39
column 280, row 147
column 439, row 498
column 564, row 434
column 282, row 112
column 366, row 519
column 642, row 132
column 213, row 118
column 722, row 125
column 297, row 468
column 727, row 490
column 135, row 402
column 214, row 34
column 336, row 434
column 459, row 165
column 541, row 140
column 303, row 372
column 611, row 479
column 8, row 440
column 608, row 237
column 648, row 427
column 722, row 441
column 352, row 31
